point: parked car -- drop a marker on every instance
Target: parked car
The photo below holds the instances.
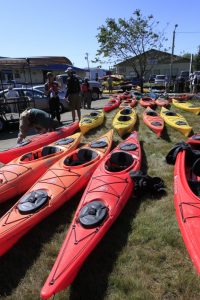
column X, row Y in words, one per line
column 41, row 88
column 160, row 79
column 38, row 98
column 183, row 75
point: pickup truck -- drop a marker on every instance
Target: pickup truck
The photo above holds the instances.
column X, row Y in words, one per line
column 95, row 86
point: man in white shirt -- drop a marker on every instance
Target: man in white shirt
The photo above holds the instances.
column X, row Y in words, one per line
column 11, row 94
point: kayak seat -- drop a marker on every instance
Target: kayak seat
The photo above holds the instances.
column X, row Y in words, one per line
column 27, row 157
column 170, row 113
column 119, row 161
column 195, row 187
column 81, row 157
column 124, row 118
column 48, row 150
column 151, row 113
column 196, row 167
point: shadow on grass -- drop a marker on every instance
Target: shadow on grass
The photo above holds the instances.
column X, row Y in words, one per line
column 15, row 263
column 165, row 136
column 92, row 280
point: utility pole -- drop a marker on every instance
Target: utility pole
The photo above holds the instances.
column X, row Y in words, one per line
column 172, row 55
column 87, row 59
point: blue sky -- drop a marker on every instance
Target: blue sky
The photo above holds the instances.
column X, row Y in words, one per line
column 69, row 28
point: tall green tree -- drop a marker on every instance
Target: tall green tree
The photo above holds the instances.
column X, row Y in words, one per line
column 197, row 60
column 122, row 39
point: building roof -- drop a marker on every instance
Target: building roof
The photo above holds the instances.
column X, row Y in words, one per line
column 34, row 61
column 161, row 56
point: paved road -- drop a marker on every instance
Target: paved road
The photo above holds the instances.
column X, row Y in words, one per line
column 9, row 136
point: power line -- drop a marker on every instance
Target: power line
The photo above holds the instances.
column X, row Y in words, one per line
column 188, row 32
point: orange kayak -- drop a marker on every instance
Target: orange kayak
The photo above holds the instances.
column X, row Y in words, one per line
column 162, row 102
column 38, row 141
column 103, row 200
column 59, row 184
column 147, row 101
column 153, row 120
column 19, row 175
column 128, row 102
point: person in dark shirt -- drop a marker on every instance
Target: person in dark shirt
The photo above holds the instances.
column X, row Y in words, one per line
column 86, row 94
column 73, row 94
column 35, row 118
column 51, row 91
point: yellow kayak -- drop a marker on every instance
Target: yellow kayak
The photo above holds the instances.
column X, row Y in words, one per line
column 113, row 91
column 186, row 105
column 176, row 121
column 91, row 120
column 125, row 120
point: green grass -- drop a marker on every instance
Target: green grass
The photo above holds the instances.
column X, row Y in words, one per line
column 141, row 257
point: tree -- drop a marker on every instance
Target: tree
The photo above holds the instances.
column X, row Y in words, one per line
column 197, row 60
column 124, row 39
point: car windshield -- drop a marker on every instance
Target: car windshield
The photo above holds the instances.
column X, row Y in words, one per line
column 160, row 77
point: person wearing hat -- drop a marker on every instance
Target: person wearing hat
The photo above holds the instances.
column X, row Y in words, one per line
column 73, row 94
column 37, row 119
column 51, row 91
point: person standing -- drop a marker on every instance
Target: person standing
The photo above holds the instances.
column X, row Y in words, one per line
column 194, row 84
column 86, row 94
column 11, row 97
column 51, row 91
column 110, row 84
column 37, row 119
column 73, row 94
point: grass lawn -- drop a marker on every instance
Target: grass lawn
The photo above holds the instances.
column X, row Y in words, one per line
column 141, row 257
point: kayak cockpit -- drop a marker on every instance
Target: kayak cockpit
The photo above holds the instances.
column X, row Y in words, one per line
column 80, row 157
column 119, row 161
column 194, row 183
column 124, row 118
column 44, row 152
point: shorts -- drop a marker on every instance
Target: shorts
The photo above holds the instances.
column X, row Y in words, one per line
column 74, row 101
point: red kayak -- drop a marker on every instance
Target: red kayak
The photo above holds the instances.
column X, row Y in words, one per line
column 128, row 102
column 20, row 174
column 187, row 201
column 194, row 139
column 103, row 200
column 162, row 102
column 58, row 185
column 37, row 141
column 112, row 104
column 126, row 95
column 153, row 120
column 147, row 101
